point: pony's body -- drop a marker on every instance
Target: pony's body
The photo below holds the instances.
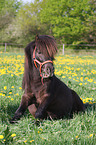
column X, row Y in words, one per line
column 45, row 95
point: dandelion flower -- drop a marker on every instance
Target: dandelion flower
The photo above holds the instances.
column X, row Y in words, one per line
column 25, row 141
column 3, row 94
column 12, row 87
column 12, row 99
column 5, row 87
column 41, row 129
column 9, row 96
column 77, row 136
column 91, row 135
column 17, row 94
column 63, row 76
column 1, row 136
column 90, row 103
column 10, row 92
column 80, row 84
column 31, row 140
column 13, row 135
column 20, row 88
column 0, row 94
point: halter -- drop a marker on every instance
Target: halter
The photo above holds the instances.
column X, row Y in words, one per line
column 40, row 64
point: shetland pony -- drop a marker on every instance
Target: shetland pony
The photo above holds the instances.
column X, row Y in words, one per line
column 44, row 94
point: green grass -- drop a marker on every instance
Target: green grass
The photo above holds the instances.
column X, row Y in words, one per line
column 79, row 73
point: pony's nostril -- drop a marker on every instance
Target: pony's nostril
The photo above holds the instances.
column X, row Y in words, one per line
column 48, row 70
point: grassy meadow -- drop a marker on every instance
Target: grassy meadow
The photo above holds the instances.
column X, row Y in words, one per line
column 79, row 73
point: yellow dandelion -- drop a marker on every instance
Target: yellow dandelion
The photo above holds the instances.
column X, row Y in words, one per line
column 0, row 94
column 1, row 136
column 25, row 141
column 91, row 135
column 78, row 69
column 90, row 98
column 3, row 94
column 63, row 76
column 12, row 87
column 20, row 88
column 90, row 103
column 80, row 84
column 12, row 99
column 17, row 94
column 9, row 96
column 31, row 140
column 77, row 136
column 4, row 140
column 69, row 77
column 5, row 87
column 13, row 135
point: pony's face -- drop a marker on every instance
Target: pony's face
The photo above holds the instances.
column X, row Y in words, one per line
column 40, row 54
column 43, row 62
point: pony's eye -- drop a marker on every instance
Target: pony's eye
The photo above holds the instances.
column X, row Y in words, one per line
column 39, row 52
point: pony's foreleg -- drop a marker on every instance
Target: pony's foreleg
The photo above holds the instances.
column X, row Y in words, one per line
column 42, row 109
column 25, row 102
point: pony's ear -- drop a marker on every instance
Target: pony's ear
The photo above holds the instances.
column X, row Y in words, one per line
column 37, row 38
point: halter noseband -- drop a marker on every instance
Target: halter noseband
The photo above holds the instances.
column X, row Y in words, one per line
column 40, row 64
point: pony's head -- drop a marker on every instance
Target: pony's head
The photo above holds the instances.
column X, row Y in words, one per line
column 40, row 54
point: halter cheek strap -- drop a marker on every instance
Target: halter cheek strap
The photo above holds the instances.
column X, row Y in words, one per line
column 40, row 64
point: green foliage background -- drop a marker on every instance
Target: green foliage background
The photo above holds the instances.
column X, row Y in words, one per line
column 70, row 22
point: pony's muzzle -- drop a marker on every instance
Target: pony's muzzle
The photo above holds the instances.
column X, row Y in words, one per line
column 47, row 70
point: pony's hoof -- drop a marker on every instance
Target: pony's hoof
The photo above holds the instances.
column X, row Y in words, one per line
column 13, row 121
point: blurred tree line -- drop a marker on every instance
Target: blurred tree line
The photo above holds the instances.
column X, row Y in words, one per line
column 70, row 22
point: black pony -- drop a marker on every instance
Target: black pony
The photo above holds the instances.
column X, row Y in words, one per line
column 44, row 94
